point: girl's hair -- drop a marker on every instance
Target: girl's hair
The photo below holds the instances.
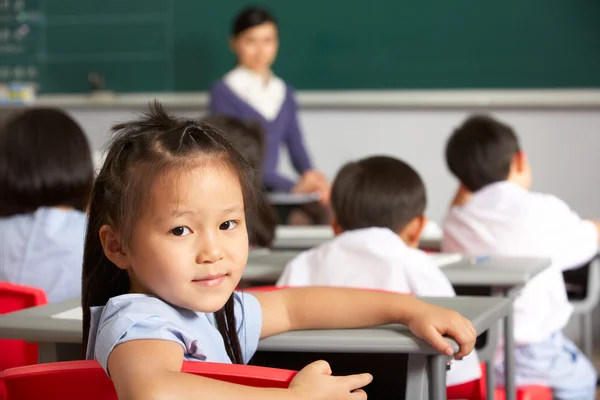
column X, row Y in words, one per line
column 249, row 18
column 140, row 151
column 248, row 138
column 45, row 161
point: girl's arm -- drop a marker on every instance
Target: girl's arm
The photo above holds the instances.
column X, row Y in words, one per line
column 337, row 308
column 151, row 370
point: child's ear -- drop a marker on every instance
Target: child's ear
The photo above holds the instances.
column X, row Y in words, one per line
column 522, row 168
column 113, row 248
column 520, row 160
column 411, row 234
column 337, row 229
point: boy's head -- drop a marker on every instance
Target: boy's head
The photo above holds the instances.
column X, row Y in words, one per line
column 246, row 136
column 379, row 192
column 483, row 151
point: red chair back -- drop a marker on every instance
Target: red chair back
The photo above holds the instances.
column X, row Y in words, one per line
column 75, row 380
column 17, row 353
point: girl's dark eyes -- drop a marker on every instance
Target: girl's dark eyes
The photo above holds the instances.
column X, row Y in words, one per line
column 228, row 225
column 181, row 231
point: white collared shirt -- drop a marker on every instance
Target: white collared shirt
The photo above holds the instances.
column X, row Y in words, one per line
column 376, row 258
column 265, row 97
column 505, row 219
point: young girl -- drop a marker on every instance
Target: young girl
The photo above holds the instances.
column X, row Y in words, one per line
column 166, row 246
column 46, row 176
column 252, row 91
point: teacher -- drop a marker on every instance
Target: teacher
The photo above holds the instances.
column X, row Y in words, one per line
column 252, row 91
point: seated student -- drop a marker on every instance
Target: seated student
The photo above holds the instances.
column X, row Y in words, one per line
column 248, row 139
column 46, row 175
column 378, row 206
column 495, row 213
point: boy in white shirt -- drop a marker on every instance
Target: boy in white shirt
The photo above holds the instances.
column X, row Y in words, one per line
column 378, row 203
column 495, row 213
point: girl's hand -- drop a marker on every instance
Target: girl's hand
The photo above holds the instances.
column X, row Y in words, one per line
column 431, row 322
column 314, row 382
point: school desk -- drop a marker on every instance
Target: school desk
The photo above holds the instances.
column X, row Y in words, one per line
column 284, row 203
column 504, row 276
column 289, row 237
column 60, row 339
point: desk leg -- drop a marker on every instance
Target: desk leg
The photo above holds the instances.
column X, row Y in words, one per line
column 47, row 353
column 489, row 377
column 416, row 378
column 437, row 377
column 509, row 357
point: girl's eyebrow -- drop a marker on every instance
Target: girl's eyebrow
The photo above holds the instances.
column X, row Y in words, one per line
column 233, row 208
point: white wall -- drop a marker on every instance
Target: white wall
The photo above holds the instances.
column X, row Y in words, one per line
column 563, row 146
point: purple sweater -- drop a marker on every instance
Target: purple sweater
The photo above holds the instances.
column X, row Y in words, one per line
column 283, row 129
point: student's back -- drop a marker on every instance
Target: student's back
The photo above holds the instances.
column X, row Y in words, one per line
column 45, row 183
column 368, row 258
column 495, row 213
column 379, row 206
column 44, row 249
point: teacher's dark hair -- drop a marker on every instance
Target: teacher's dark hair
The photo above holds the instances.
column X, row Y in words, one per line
column 249, row 18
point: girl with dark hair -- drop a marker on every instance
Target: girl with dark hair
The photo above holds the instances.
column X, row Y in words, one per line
column 166, row 246
column 252, row 91
column 46, row 175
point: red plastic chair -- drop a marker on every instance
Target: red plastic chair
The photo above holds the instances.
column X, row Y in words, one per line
column 476, row 391
column 17, row 353
column 75, row 380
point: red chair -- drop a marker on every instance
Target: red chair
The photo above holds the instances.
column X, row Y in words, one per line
column 17, row 353
column 75, row 380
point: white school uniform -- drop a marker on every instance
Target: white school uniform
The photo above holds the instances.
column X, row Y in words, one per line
column 44, row 249
column 376, row 258
column 266, row 97
column 505, row 219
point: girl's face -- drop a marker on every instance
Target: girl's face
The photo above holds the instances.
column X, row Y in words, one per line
column 256, row 47
column 191, row 246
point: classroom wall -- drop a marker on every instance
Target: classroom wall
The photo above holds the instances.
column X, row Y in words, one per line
column 563, row 146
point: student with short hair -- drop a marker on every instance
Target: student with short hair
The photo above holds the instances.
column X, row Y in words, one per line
column 495, row 213
column 46, row 175
column 379, row 205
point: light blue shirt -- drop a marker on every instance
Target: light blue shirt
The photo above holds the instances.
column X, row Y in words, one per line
column 139, row 316
column 44, row 249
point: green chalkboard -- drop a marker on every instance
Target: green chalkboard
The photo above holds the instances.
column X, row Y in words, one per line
column 181, row 45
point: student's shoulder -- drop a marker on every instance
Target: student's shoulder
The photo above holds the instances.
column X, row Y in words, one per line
column 418, row 258
column 140, row 304
column 545, row 202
